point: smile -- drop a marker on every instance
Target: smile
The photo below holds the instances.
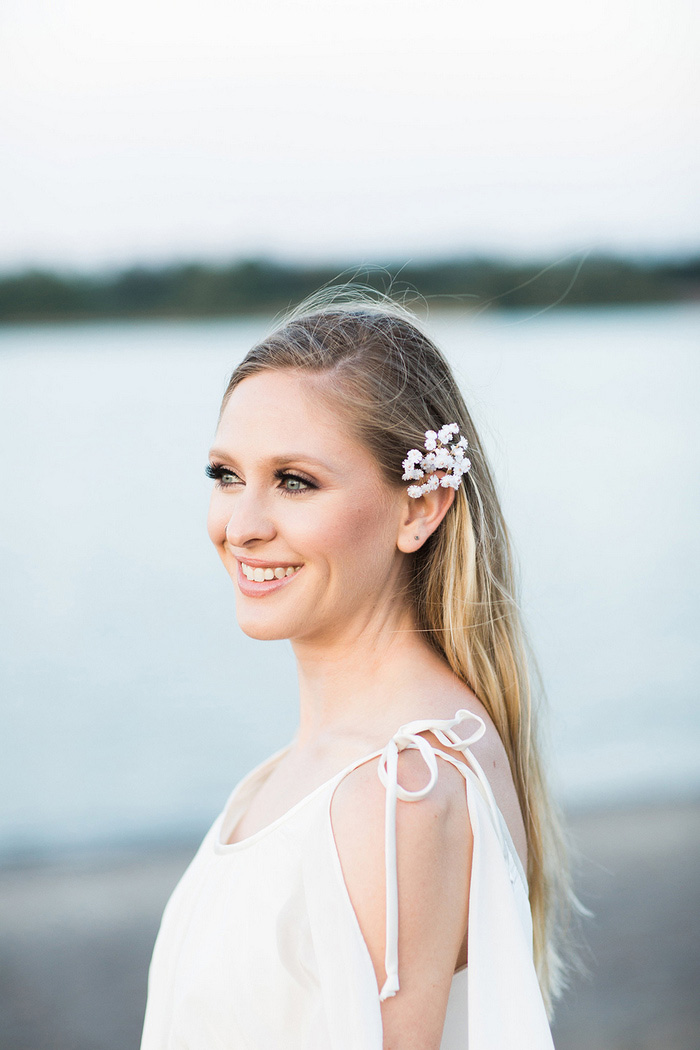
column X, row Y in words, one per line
column 259, row 575
column 257, row 581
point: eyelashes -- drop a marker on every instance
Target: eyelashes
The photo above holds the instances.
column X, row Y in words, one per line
column 218, row 473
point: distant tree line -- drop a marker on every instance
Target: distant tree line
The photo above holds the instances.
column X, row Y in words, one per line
column 265, row 286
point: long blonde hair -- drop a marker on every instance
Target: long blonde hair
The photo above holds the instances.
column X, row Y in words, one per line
column 393, row 384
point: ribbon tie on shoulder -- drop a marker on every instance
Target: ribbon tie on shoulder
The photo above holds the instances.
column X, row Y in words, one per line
column 408, row 736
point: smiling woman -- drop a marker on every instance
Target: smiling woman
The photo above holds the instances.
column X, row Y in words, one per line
column 324, row 512
column 322, row 910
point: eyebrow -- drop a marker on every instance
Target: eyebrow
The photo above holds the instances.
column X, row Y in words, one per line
column 284, row 460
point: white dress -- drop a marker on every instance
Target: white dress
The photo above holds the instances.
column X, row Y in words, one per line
column 260, row 948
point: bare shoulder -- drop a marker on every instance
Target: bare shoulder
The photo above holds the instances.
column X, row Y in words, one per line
column 491, row 755
column 433, row 855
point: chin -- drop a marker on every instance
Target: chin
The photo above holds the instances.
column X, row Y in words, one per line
column 264, row 628
column 263, row 632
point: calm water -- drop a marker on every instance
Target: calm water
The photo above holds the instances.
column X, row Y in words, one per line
column 131, row 702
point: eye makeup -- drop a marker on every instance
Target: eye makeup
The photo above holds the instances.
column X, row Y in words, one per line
column 218, row 473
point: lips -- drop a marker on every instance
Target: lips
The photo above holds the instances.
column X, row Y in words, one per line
column 256, row 581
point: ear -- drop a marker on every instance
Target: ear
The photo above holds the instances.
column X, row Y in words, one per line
column 421, row 517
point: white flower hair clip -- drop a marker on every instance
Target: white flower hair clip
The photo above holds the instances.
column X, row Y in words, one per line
column 443, row 451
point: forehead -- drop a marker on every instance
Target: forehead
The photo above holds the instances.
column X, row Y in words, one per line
column 280, row 410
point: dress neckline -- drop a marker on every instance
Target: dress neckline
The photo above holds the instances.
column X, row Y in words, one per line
column 225, row 827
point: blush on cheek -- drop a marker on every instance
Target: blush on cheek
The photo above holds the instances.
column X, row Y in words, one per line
column 364, row 539
column 361, row 526
column 375, row 518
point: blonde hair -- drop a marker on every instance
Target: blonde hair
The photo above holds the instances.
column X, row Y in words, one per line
column 394, row 384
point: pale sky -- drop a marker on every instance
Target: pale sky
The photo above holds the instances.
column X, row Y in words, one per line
column 369, row 131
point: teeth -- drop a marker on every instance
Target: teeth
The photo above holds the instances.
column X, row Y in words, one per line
column 259, row 575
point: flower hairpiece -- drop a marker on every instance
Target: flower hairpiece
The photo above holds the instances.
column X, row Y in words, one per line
column 443, row 451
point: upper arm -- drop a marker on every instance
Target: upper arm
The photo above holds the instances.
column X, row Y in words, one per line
column 433, row 848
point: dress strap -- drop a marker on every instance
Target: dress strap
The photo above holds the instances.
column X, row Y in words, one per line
column 408, row 736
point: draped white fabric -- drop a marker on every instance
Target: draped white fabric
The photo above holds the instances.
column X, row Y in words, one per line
column 260, row 948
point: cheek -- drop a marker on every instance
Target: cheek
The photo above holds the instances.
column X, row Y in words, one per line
column 360, row 538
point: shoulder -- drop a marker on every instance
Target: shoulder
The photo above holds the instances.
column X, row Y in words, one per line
column 440, row 819
column 433, row 860
column 361, row 787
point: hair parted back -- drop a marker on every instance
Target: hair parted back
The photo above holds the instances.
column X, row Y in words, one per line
column 393, row 384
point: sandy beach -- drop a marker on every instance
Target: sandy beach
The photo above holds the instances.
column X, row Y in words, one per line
column 77, row 937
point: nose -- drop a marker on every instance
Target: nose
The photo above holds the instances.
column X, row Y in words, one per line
column 249, row 522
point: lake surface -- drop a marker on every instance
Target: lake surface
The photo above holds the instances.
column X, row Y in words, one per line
column 132, row 703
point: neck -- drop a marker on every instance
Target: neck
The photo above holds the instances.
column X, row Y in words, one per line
column 363, row 682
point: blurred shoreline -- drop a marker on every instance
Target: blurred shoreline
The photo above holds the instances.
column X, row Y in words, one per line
column 201, row 290
column 78, row 931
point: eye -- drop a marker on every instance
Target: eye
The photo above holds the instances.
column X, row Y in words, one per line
column 294, row 483
column 222, row 475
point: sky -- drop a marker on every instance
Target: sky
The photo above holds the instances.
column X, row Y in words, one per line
column 145, row 131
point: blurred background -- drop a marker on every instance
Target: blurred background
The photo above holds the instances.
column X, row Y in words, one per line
column 173, row 176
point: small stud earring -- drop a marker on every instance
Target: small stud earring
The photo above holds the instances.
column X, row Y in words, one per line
column 416, row 537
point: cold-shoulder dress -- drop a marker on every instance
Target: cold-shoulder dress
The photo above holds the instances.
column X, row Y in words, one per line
column 260, row 949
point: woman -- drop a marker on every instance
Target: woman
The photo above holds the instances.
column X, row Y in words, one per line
column 365, row 887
